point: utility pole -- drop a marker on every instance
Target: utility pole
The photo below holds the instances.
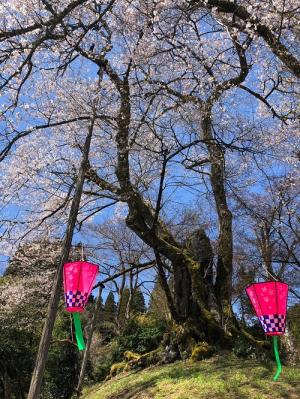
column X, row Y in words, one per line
column 41, row 358
column 88, row 342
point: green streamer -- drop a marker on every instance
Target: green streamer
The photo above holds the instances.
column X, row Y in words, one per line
column 78, row 331
column 279, row 368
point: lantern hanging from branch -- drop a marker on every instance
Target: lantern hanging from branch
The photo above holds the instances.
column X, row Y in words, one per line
column 79, row 278
column 269, row 300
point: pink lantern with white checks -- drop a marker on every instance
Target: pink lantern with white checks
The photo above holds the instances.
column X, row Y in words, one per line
column 79, row 278
column 269, row 300
column 78, row 283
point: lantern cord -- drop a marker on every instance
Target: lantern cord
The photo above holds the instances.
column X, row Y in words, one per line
column 82, row 253
column 78, row 331
column 279, row 368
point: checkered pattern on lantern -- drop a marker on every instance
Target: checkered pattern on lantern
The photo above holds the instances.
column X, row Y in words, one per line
column 273, row 323
column 76, row 299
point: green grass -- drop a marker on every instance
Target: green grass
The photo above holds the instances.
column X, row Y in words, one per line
column 216, row 378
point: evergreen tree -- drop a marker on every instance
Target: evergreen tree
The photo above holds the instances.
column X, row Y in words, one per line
column 123, row 306
column 138, row 302
column 110, row 308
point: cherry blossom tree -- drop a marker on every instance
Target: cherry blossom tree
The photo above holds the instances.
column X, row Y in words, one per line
column 191, row 102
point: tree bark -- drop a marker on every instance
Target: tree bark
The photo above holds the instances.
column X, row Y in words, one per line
column 38, row 372
column 189, row 286
column 265, row 245
column 88, row 343
column 195, row 316
column 290, row 346
column 6, row 384
column 120, row 289
column 223, row 284
column 165, row 286
column 200, row 247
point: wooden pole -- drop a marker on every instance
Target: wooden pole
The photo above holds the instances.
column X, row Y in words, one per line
column 88, row 342
column 41, row 358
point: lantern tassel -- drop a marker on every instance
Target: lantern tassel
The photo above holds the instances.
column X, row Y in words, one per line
column 279, row 368
column 78, row 331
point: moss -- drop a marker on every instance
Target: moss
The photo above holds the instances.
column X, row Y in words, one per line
column 182, row 337
column 128, row 355
column 150, row 358
column 145, row 360
column 116, row 368
column 202, row 351
column 248, row 337
column 4, row 280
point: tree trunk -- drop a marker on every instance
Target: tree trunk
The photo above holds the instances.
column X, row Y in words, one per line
column 130, row 298
column 200, row 247
column 38, row 372
column 88, row 343
column 189, row 286
column 165, row 286
column 120, row 299
column 6, row 384
column 182, row 290
column 290, row 346
column 223, row 284
column 265, row 245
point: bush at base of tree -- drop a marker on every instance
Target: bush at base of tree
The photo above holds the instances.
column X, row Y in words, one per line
column 141, row 334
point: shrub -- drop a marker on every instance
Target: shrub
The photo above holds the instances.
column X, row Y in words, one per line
column 141, row 334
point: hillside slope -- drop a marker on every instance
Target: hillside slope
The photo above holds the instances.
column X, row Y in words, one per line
column 216, row 378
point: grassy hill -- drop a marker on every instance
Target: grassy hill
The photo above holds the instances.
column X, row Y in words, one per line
column 216, row 378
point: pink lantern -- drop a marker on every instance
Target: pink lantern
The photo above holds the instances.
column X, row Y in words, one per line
column 269, row 301
column 79, row 278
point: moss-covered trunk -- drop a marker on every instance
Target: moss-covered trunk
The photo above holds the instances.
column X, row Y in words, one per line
column 190, row 291
column 223, row 283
